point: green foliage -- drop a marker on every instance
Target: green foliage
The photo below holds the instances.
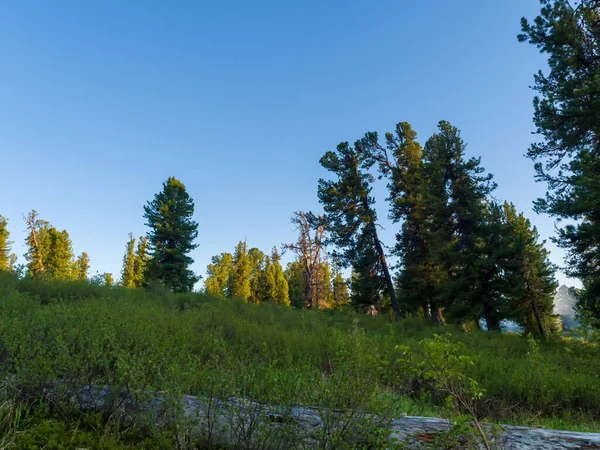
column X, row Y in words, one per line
column 128, row 271
column 351, row 220
column 218, row 348
column 250, row 275
column 140, row 261
column 171, row 237
column 38, row 244
column 294, row 274
column 567, row 116
column 340, row 291
column 241, row 273
column 7, row 259
column 50, row 252
column 82, row 266
column 258, row 271
column 281, row 294
column 60, row 264
column 218, row 274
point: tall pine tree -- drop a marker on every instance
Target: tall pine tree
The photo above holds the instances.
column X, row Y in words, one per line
column 82, row 266
column 128, row 270
column 258, row 267
column 532, row 279
column 7, row 259
column 281, row 295
column 171, row 237
column 567, row 116
column 350, row 215
column 218, row 273
column 37, row 242
column 140, row 261
column 60, row 260
column 241, row 273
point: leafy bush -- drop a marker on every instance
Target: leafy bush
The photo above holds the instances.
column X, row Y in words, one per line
column 143, row 342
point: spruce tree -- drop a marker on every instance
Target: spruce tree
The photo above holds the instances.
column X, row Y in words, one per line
column 350, row 216
column 340, row 291
column 219, row 272
column 401, row 161
column 531, row 279
column 82, row 266
column 457, row 197
column 108, row 279
column 367, row 284
column 140, row 261
column 282, row 295
column 7, row 259
column 38, row 244
column 296, row 280
column 241, row 273
column 60, row 260
column 171, row 237
column 323, row 287
column 128, row 270
column 267, row 286
column 567, row 116
column 258, row 265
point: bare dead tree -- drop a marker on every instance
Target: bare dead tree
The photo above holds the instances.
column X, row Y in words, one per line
column 310, row 250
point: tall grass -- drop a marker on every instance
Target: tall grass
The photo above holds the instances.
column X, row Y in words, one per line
column 150, row 341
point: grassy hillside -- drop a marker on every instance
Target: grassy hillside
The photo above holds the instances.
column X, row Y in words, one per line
column 144, row 341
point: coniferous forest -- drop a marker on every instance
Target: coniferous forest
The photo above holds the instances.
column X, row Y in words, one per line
column 361, row 329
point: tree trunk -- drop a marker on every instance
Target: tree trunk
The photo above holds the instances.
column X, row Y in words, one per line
column 538, row 319
column 436, row 315
column 386, row 273
column 243, row 423
column 492, row 322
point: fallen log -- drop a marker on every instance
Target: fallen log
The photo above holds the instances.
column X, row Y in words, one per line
column 242, row 423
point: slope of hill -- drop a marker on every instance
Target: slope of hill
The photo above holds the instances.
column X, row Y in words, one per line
column 139, row 342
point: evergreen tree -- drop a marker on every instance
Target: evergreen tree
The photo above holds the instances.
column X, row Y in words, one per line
column 218, row 274
column 323, row 288
column 367, row 285
column 82, row 266
column 296, row 280
column 567, row 115
column 531, row 277
column 128, row 271
column 171, row 237
column 241, row 273
column 456, row 202
column 350, row 215
column 108, row 280
column 267, row 286
column 258, row 265
column 340, row 290
column 7, row 259
column 38, row 244
column 140, row 261
column 60, row 260
column 401, row 161
column 281, row 294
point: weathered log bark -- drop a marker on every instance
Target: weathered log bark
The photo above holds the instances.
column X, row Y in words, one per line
column 242, row 423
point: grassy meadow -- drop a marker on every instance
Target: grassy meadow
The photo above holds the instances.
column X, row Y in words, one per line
column 152, row 341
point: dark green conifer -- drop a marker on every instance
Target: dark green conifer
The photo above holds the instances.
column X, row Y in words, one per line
column 171, row 237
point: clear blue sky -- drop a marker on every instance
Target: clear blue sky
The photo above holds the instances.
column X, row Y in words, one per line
column 100, row 102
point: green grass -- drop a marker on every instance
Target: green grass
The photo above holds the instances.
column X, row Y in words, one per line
column 213, row 347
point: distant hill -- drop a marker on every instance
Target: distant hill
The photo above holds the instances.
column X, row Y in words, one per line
column 564, row 305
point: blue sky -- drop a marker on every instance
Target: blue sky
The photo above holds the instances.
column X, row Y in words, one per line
column 100, row 102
